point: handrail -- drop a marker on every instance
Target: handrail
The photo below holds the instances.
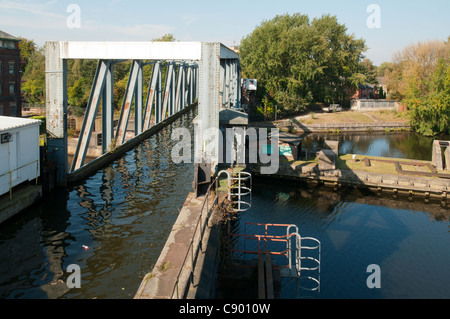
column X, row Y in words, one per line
column 190, row 250
column 191, row 244
column 291, row 232
column 271, row 238
column 18, row 168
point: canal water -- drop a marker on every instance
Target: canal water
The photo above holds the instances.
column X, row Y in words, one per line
column 114, row 224
column 122, row 215
column 399, row 145
column 407, row 240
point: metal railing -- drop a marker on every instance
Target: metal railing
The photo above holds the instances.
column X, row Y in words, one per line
column 239, row 188
column 303, row 263
column 237, row 193
column 19, row 168
column 193, row 251
column 265, row 239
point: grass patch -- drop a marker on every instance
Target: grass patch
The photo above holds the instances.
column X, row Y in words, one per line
column 356, row 117
column 310, row 160
column 345, row 162
column 165, row 266
column 339, row 117
column 390, row 116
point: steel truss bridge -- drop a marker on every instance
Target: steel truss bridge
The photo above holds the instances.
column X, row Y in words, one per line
column 183, row 73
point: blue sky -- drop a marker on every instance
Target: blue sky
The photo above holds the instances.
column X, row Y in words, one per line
column 402, row 22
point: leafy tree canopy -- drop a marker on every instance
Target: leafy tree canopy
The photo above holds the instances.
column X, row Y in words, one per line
column 420, row 77
column 298, row 61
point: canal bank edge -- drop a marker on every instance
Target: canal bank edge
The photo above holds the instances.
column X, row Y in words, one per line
column 297, row 127
column 337, row 178
column 171, row 277
column 22, row 198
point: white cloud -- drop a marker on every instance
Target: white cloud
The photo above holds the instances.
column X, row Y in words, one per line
column 114, row 2
column 42, row 22
column 190, row 18
column 94, row 30
column 142, row 31
column 29, row 7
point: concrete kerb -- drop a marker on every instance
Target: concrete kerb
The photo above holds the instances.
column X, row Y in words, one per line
column 23, row 197
column 171, row 276
column 160, row 283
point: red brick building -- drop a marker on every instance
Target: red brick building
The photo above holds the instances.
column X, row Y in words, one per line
column 366, row 91
column 10, row 77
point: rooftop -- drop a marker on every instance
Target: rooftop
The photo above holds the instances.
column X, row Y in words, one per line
column 9, row 122
column 4, row 35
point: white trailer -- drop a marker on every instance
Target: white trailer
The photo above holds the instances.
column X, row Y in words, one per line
column 19, row 151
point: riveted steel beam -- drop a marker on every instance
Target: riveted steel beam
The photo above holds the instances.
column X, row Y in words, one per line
column 208, row 103
column 138, row 103
column 151, row 96
column 136, row 68
column 108, row 110
column 180, row 88
column 90, row 115
column 178, row 63
column 167, row 92
column 56, row 109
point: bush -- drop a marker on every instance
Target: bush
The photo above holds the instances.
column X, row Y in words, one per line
column 290, row 104
column 43, row 126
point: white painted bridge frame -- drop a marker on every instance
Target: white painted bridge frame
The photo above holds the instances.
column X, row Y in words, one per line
column 208, row 71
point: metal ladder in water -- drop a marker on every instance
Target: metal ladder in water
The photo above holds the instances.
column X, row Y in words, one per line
column 306, row 267
column 239, row 189
column 296, row 257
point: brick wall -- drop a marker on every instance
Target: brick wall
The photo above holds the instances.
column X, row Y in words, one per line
column 10, row 97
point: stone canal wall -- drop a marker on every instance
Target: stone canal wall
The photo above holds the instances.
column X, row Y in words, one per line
column 397, row 183
column 343, row 127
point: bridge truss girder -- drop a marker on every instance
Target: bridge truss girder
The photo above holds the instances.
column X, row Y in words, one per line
column 208, row 72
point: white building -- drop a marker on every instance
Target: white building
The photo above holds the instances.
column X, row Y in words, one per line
column 19, row 151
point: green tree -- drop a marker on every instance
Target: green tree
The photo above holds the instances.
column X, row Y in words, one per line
column 80, row 77
column 27, row 49
column 33, row 80
column 369, row 70
column 298, row 61
column 168, row 37
column 420, row 77
column 384, row 69
column 430, row 114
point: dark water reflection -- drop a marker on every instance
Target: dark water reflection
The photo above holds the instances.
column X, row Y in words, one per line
column 400, row 145
column 123, row 213
column 409, row 240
